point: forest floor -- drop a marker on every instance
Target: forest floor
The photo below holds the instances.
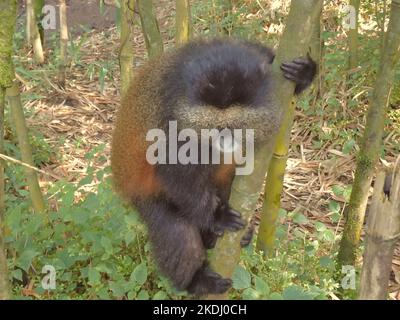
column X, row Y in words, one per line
column 79, row 118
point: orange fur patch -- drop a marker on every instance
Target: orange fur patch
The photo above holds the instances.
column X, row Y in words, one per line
column 224, row 174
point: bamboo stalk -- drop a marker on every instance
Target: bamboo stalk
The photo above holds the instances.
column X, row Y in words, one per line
column 183, row 24
column 63, row 43
column 383, row 231
column 4, row 286
column 28, row 10
column 151, row 31
column 17, row 112
column 8, row 16
column 289, row 49
column 33, row 32
column 126, row 56
column 316, row 48
column 274, row 185
column 246, row 189
column 353, row 37
column 372, row 140
column 38, row 7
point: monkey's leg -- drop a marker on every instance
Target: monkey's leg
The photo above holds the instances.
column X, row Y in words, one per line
column 190, row 189
column 179, row 251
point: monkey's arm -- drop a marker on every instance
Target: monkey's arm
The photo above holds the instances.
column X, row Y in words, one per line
column 192, row 190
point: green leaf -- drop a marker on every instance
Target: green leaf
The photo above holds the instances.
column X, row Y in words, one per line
column 131, row 219
column 326, row 262
column 241, row 278
column 132, row 295
column 35, row 222
column 94, row 276
column 85, row 181
column 160, row 295
column 143, row 295
column 320, row 227
column 348, row 146
column 79, row 216
column 25, row 259
column 300, row 218
column 17, row 274
column 102, row 76
column 334, row 206
column 117, row 288
column 335, row 217
column 282, row 213
column 130, row 236
column 262, row 286
column 296, row 293
column 251, row 294
column 347, row 193
column 310, row 249
column 275, row 296
column 68, row 196
column 106, row 244
column 329, row 235
column 337, row 190
column 103, row 294
column 139, row 274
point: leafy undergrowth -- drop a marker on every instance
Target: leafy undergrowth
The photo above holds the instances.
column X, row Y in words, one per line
column 95, row 243
column 99, row 250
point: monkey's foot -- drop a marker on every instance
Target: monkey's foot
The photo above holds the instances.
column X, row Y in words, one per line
column 301, row 71
column 248, row 236
column 206, row 281
column 230, row 220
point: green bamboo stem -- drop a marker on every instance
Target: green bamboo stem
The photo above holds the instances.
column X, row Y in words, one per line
column 126, row 56
column 8, row 16
column 353, row 37
column 383, row 232
column 33, row 32
column 151, row 31
column 245, row 194
column 37, row 7
column 371, row 142
column 183, row 24
column 274, row 185
column 4, row 286
column 63, row 43
column 289, row 48
column 17, row 112
column 246, row 189
column 316, row 52
column 28, row 11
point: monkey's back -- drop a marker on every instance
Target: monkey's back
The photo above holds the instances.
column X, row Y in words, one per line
column 139, row 111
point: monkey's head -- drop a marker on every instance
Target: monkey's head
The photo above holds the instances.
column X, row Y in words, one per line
column 221, row 84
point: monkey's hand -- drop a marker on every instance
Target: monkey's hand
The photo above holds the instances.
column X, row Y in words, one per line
column 228, row 219
column 301, row 71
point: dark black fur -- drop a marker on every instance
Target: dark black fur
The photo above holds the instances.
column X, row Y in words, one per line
column 193, row 212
